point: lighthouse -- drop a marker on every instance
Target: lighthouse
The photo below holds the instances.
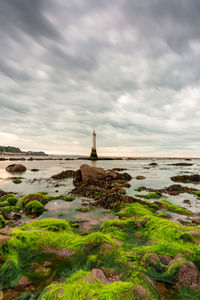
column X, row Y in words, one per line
column 93, row 154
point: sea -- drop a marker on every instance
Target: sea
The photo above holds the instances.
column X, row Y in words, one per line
column 157, row 176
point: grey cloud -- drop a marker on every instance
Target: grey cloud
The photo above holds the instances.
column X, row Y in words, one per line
column 129, row 69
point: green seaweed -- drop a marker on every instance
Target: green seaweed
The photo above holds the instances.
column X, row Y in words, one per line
column 176, row 208
column 153, row 195
column 34, row 207
column 17, row 181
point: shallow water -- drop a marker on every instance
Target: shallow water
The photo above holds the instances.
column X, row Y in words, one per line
column 156, row 177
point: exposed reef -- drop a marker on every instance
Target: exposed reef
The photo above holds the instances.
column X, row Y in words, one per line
column 195, row 178
column 174, row 189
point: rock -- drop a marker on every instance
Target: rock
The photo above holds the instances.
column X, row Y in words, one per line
column 181, row 164
column 195, row 178
column 141, row 292
column 34, row 170
column 64, row 174
column 4, row 238
column 124, row 176
column 174, row 189
column 119, row 169
column 153, row 164
column 140, row 177
column 188, row 275
column 99, row 274
column 24, row 282
column 165, row 259
column 15, row 216
column 47, row 264
column 196, row 221
column 16, row 168
column 92, row 173
column 2, row 193
column 112, row 174
column 187, row 201
column 77, row 177
column 60, row 253
column 5, row 231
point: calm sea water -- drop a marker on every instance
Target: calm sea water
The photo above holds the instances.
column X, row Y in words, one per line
column 156, row 177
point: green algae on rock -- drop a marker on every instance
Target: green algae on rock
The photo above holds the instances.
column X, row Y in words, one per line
column 17, row 181
column 34, row 208
column 139, row 247
column 24, row 200
column 153, row 195
column 175, row 208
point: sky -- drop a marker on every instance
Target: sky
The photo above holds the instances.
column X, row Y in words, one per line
column 128, row 69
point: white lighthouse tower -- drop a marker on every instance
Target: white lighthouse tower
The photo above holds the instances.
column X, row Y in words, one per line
column 93, row 154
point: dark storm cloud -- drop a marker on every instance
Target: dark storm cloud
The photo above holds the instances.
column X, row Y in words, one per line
column 130, row 69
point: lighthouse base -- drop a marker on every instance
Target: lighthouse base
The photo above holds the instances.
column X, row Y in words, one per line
column 93, row 155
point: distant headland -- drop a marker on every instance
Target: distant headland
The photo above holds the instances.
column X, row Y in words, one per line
column 15, row 150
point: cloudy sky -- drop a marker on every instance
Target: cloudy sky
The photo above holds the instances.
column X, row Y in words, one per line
column 128, row 68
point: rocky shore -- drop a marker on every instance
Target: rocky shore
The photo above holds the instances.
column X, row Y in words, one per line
column 142, row 253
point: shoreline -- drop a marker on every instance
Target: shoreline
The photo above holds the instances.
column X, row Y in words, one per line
column 24, row 158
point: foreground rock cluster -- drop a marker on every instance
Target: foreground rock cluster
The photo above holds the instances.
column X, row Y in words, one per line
column 140, row 254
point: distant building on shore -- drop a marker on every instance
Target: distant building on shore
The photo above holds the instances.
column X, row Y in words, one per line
column 93, row 154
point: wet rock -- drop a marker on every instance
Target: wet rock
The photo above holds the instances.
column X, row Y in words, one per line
column 99, row 274
column 187, row 201
column 165, row 259
column 140, row 177
column 92, row 173
column 173, row 190
column 188, row 275
column 2, row 193
column 141, row 292
column 153, row 164
column 64, row 174
column 47, row 264
column 196, row 221
column 77, row 177
column 5, row 231
column 181, row 164
column 60, row 253
column 15, row 216
column 184, row 222
column 4, row 238
column 112, row 174
column 119, row 169
column 195, row 178
column 16, row 168
column 24, row 282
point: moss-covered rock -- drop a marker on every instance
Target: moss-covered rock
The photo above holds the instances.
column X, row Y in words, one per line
column 12, row 201
column 34, row 208
column 153, row 195
column 2, row 222
column 46, row 224
column 175, row 208
column 17, row 181
column 22, row 202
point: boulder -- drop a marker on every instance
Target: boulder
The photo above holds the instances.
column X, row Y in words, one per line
column 153, row 164
column 92, row 173
column 188, row 275
column 24, row 282
column 140, row 177
column 16, row 168
column 64, row 174
column 141, row 292
column 99, row 274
